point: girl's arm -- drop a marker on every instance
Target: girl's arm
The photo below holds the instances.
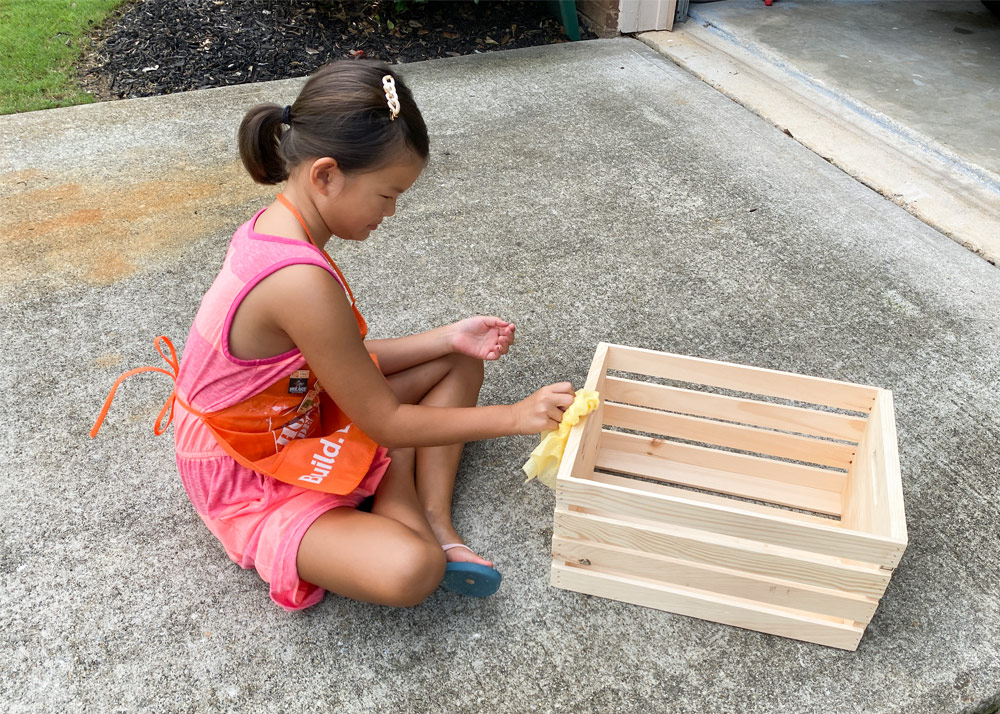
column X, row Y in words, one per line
column 485, row 338
column 398, row 353
column 313, row 311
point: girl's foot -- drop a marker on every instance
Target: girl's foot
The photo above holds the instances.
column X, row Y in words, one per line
column 464, row 554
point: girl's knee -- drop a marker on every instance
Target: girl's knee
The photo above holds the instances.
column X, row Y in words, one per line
column 469, row 368
column 419, row 569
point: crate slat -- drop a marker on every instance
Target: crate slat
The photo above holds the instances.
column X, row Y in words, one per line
column 725, row 551
column 780, row 471
column 744, row 411
column 753, row 380
column 727, row 482
column 767, row 528
column 709, row 498
column 707, row 606
column 746, row 438
column 726, row 581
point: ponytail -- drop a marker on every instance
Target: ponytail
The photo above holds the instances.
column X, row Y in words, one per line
column 259, row 140
column 342, row 112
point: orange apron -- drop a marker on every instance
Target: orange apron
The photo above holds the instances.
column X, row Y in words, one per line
column 292, row 431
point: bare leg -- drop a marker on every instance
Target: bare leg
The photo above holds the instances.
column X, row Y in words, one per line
column 452, row 381
column 388, row 556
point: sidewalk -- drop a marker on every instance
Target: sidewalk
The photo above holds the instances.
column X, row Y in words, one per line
column 587, row 192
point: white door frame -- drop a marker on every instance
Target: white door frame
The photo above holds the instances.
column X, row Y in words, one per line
column 645, row 15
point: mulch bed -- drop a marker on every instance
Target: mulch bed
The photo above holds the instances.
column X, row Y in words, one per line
column 156, row 47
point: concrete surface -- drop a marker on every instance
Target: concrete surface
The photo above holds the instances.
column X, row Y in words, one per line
column 587, row 192
column 931, row 65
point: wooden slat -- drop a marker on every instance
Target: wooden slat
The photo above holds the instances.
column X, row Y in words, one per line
column 717, row 608
column 702, row 497
column 719, row 550
column 765, row 527
column 746, row 438
column 581, row 445
column 743, row 411
column 733, row 484
column 893, row 477
column 755, row 466
column 753, row 380
column 758, row 588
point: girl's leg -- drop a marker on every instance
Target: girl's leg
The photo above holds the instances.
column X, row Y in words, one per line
column 389, row 556
column 450, row 381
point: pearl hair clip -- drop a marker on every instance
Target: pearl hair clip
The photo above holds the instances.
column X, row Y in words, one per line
column 389, row 85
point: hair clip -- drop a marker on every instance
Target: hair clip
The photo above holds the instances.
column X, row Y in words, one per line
column 389, row 85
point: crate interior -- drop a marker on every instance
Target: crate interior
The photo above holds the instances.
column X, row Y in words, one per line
column 807, row 449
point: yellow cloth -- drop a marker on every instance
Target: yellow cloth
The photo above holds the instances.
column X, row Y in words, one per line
column 544, row 460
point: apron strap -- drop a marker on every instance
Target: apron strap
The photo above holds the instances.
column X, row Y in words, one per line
column 168, row 406
column 343, row 281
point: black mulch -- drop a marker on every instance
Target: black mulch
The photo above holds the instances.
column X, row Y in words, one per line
column 161, row 46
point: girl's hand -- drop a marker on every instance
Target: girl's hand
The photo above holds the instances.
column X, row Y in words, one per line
column 544, row 409
column 486, row 338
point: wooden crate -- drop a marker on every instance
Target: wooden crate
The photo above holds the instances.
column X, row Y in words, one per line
column 756, row 512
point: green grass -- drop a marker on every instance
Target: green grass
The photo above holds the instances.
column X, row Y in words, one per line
column 40, row 41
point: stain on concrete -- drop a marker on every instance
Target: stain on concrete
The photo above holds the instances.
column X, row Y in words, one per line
column 96, row 233
column 109, row 359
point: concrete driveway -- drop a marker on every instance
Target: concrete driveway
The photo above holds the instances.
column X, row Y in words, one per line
column 587, row 192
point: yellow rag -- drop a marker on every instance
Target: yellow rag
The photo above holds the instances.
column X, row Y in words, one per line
column 544, row 460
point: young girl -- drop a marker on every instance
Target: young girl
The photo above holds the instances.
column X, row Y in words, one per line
column 288, row 419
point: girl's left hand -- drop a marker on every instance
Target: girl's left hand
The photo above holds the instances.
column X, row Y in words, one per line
column 486, row 338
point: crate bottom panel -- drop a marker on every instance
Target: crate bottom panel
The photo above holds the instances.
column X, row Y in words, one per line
column 723, row 609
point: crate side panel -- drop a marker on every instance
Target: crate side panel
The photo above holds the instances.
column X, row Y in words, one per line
column 775, row 528
column 758, row 588
column 713, row 549
column 707, row 606
column 866, row 502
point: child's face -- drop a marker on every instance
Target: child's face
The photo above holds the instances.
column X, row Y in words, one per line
column 365, row 199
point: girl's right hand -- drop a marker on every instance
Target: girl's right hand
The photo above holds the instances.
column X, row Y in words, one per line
column 543, row 410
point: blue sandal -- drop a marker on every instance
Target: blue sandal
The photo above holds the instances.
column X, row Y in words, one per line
column 470, row 579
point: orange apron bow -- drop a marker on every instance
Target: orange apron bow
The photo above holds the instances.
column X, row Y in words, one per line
column 168, row 406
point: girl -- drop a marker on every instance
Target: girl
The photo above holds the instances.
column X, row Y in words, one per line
column 289, row 420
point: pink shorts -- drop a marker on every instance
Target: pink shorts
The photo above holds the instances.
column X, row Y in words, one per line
column 260, row 521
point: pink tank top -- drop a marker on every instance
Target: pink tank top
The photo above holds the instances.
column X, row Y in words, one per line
column 210, row 377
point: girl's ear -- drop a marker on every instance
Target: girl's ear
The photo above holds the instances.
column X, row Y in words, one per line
column 326, row 177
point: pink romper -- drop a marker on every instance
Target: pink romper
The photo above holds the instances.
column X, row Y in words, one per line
column 259, row 520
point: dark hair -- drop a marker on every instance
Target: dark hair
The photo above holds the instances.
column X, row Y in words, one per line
column 342, row 113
